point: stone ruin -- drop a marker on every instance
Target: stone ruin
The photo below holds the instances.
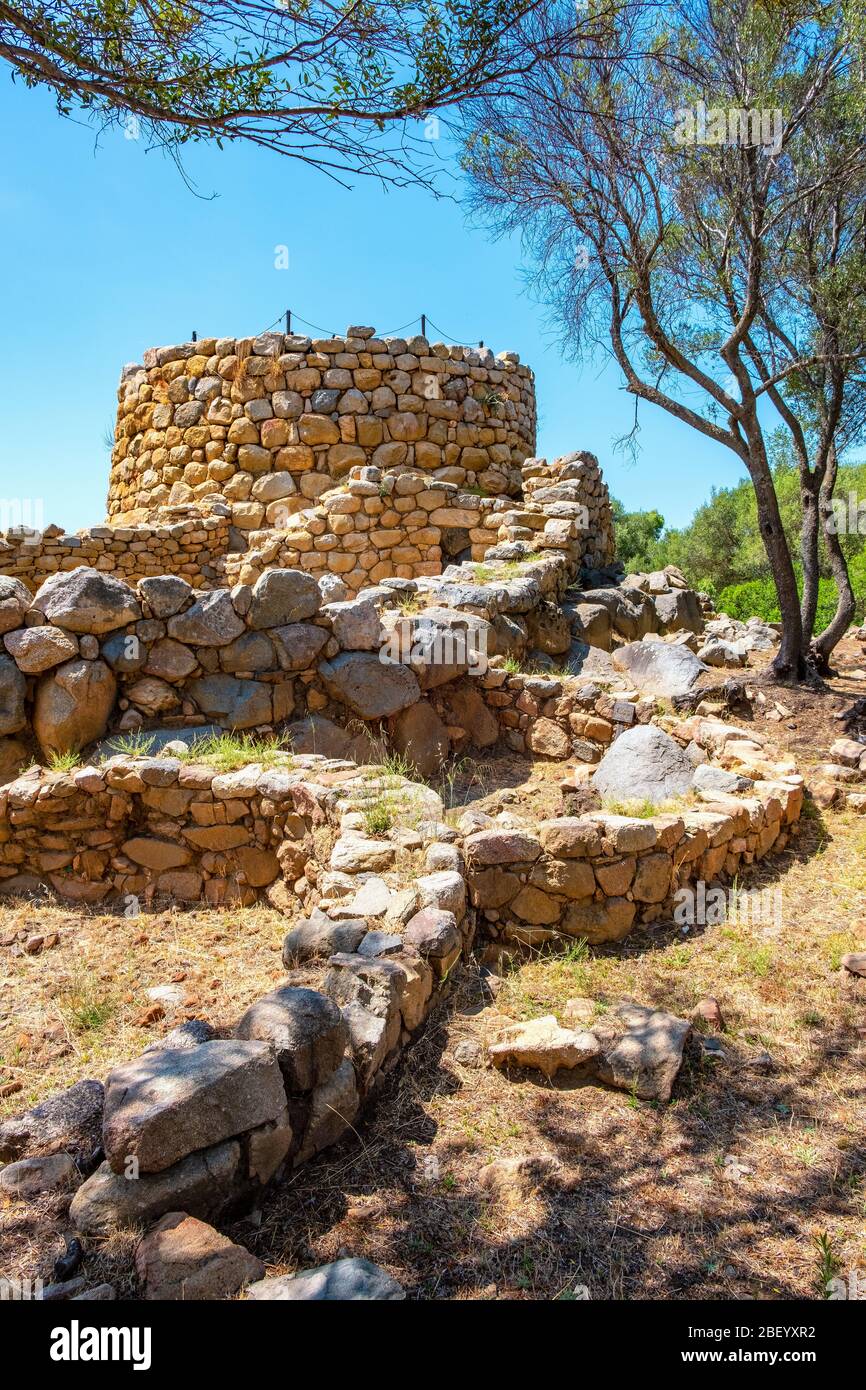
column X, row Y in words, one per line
column 281, row 513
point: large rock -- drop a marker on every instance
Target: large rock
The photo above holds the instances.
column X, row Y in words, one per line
column 37, row 649
column 165, row 594
column 642, row 1049
column 316, row 734
column 298, row 645
column 13, row 689
column 543, row 1044
column 69, row 1122
column 643, row 764
column 333, row 1107
column 678, row 610
column 73, row 705
column 235, row 703
column 306, row 1030
column 165, row 1105
column 349, row 1280
column 467, row 710
column 318, row 936
column 210, row 622
column 15, row 599
column 31, row 1176
column 86, row 600
column 184, row 1259
column 372, row 688
column 419, row 734
column 283, row 596
column 200, row 1185
column 355, row 624
column 660, row 668
column 14, row 757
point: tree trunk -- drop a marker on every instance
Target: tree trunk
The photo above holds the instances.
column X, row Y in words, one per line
column 810, row 485
column 789, row 663
column 845, row 603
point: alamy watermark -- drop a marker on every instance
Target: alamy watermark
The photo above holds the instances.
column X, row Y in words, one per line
column 423, row 642
column 848, row 517
column 748, row 127
column 22, row 515
column 708, row 906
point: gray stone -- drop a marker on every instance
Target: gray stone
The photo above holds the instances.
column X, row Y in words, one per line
column 434, row 933
column 659, row 668
column 855, row 962
column 13, row 689
column 678, row 609
column 186, row 1035
column 355, row 624
column 30, row 1176
column 201, row 1185
column 86, row 600
column 166, row 1104
column 643, row 764
column 380, row 943
column 710, row 779
column 298, row 645
column 321, row 937
column 348, row 1280
column 170, row 660
column 306, row 1030
column 372, row 688
column 371, row 1039
column 316, row 734
column 283, row 596
column 165, row 594
column 71, row 1121
column 333, row 1107
column 124, row 653
column 235, row 703
column 252, row 651
column 647, row 1056
column 210, row 622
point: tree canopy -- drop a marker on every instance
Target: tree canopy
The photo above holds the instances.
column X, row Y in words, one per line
column 318, row 81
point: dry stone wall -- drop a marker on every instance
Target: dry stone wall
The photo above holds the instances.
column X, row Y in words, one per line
column 187, row 541
column 599, row 876
column 281, row 417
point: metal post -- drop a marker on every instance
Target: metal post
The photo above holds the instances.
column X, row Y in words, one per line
column 423, row 325
column 194, row 336
column 288, row 320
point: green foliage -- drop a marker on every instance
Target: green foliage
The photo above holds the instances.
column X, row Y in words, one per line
column 637, row 535
column 308, row 79
column 721, row 552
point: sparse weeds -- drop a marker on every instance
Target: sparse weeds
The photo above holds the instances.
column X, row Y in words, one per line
column 63, row 762
column 229, row 751
column 379, row 816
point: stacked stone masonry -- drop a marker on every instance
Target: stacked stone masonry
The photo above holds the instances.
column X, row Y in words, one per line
column 229, row 415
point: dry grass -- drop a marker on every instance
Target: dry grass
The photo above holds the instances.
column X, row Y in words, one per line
column 82, row 1006
column 745, row 1186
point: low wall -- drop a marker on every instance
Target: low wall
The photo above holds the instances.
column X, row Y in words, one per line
column 388, row 919
column 220, row 415
column 597, row 877
column 185, row 541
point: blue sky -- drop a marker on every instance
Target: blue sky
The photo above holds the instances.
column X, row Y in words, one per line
column 106, row 252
